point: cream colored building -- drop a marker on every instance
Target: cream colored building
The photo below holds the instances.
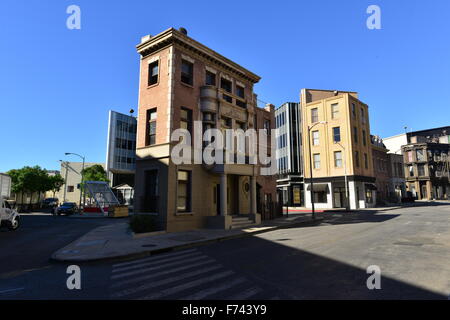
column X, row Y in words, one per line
column 71, row 173
column 339, row 131
column 182, row 81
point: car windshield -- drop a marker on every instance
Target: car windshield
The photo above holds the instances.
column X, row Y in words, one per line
column 69, row 204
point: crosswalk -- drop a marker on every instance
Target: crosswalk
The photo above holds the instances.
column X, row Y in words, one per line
column 181, row 275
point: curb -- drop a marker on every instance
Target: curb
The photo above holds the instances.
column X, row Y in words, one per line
column 151, row 252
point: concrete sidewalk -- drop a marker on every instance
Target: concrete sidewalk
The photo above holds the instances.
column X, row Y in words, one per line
column 116, row 241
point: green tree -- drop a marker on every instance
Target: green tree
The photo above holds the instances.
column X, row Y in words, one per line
column 95, row 173
column 55, row 183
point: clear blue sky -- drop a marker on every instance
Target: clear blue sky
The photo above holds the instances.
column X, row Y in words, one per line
column 57, row 85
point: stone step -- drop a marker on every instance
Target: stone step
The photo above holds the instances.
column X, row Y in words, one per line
column 243, row 225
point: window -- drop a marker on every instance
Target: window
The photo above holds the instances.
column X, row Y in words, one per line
column 187, row 72
column 338, row 159
column 316, row 161
column 357, row 159
column 411, row 170
column 314, row 115
column 226, row 122
column 210, row 79
column 315, row 138
column 267, row 126
column 420, row 155
column 334, row 111
column 186, row 119
column 366, row 161
column 353, row 110
column 369, row 198
column 421, row 170
column 364, row 138
column 355, row 134
column 226, row 85
column 153, row 71
column 363, row 118
column 337, row 134
column 240, row 93
column 320, row 197
column 410, row 156
column 151, row 126
column 70, row 188
column 184, row 191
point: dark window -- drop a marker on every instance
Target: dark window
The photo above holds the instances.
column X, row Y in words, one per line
column 187, row 72
column 354, row 110
column 70, row 188
column 320, row 197
column 226, row 85
column 184, row 191
column 210, row 79
column 314, row 115
column 366, row 161
column 151, row 126
column 421, row 170
column 240, row 92
column 153, row 71
column 337, row 134
column 355, row 134
column 267, row 126
column 357, row 159
column 364, row 137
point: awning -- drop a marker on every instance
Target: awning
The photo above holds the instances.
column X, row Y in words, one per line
column 319, row 187
column 371, row 186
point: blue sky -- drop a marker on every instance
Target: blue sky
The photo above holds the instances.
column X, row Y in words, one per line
column 57, row 85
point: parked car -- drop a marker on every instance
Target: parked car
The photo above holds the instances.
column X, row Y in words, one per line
column 49, row 202
column 67, row 208
column 8, row 216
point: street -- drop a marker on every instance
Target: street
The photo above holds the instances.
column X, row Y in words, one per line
column 411, row 246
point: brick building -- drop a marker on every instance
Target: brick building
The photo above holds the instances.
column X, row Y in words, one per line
column 181, row 82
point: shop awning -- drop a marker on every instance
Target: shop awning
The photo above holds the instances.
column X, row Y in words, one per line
column 371, row 186
column 319, row 187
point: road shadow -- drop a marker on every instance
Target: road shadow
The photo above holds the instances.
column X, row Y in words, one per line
column 293, row 274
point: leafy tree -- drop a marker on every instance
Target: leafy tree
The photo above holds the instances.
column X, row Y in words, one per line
column 95, row 173
column 55, row 183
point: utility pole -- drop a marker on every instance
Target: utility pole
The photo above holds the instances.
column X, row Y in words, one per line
column 313, row 214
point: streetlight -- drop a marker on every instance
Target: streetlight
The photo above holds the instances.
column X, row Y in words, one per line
column 347, row 204
column 310, row 166
column 65, row 179
column 82, row 169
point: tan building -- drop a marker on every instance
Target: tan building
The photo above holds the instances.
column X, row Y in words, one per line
column 339, row 131
column 71, row 173
column 182, row 81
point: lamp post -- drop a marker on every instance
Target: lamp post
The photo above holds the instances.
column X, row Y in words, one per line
column 65, row 179
column 347, row 203
column 82, row 169
column 310, row 167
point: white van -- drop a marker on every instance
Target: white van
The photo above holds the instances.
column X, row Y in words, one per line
column 8, row 217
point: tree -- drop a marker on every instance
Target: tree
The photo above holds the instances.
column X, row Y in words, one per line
column 55, row 183
column 93, row 173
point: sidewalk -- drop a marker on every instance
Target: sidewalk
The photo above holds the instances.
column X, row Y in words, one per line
column 117, row 242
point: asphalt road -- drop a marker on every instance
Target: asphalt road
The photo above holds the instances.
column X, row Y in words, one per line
column 410, row 246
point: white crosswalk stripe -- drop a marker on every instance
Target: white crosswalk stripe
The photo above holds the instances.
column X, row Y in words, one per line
column 245, row 294
column 154, row 258
column 187, row 275
column 205, row 293
column 152, row 262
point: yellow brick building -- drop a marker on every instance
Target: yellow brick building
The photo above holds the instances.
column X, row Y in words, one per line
column 337, row 123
